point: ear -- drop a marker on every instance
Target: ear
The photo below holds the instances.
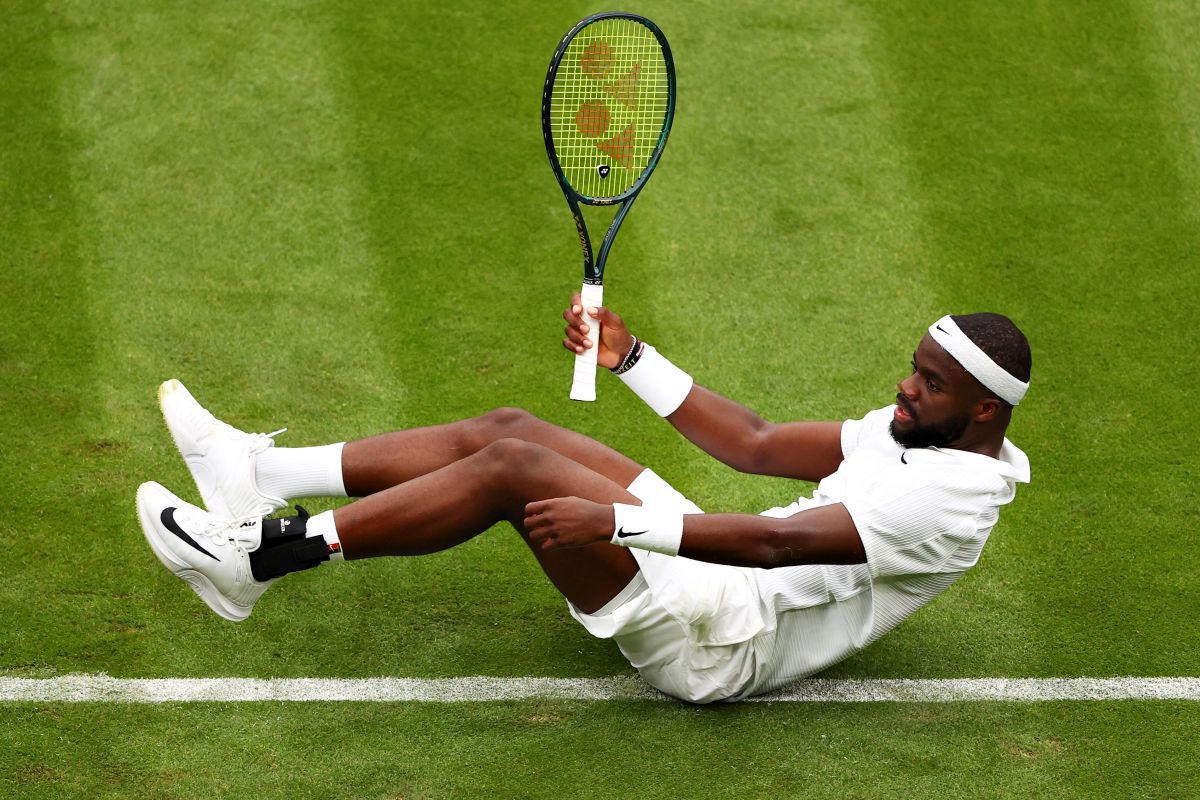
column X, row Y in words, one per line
column 986, row 409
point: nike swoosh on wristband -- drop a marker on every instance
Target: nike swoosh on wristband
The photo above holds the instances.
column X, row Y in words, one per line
column 168, row 520
column 622, row 533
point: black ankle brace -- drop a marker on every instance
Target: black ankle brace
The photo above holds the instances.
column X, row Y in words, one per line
column 285, row 547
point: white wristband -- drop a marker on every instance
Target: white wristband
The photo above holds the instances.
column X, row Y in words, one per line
column 656, row 529
column 661, row 384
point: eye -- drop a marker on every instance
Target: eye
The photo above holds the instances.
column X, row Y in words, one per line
column 930, row 384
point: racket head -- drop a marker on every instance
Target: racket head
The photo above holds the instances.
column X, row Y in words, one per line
column 607, row 106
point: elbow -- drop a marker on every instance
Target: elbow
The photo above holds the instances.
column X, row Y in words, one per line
column 747, row 467
column 770, row 551
column 754, row 452
column 775, row 557
column 752, row 466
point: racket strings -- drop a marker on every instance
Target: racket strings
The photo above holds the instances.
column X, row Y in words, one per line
column 608, row 106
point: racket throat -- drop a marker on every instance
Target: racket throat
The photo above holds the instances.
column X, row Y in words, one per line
column 609, row 237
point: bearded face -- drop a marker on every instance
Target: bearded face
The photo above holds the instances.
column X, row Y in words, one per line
column 913, row 432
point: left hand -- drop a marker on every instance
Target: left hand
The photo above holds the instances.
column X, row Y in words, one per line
column 568, row 522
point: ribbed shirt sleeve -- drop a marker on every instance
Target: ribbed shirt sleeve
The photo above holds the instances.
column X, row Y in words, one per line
column 856, row 431
column 913, row 525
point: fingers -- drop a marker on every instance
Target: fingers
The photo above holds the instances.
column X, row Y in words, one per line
column 576, row 323
column 576, row 342
column 577, row 327
column 579, row 335
column 538, row 515
column 574, row 314
column 539, row 526
column 542, row 522
column 537, row 507
column 575, row 348
column 574, row 311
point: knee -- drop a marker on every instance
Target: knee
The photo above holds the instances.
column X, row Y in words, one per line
column 511, row 456
column 504, row 423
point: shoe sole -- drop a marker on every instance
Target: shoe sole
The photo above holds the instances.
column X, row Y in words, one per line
column 201, row 585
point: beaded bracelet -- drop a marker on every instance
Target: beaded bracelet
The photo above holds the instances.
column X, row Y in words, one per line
column 631, row 358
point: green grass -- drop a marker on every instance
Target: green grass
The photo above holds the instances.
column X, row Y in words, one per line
column 340, row 218
column 604, row 750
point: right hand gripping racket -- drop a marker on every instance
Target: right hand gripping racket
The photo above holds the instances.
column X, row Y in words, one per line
column 606, row 112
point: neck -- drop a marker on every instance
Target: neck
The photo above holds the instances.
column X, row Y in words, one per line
column 977, row 439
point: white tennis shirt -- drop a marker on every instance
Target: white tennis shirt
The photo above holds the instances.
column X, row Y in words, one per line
column 924, row 516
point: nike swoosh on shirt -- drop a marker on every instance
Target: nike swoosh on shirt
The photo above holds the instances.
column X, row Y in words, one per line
column 168, row 521
column 622, row 533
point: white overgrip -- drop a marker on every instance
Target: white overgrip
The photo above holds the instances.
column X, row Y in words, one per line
column 583, row 385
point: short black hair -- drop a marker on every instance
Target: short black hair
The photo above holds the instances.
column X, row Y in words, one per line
column 1001, row 339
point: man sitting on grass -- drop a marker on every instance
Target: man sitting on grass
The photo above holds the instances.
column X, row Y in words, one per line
column 705, row 606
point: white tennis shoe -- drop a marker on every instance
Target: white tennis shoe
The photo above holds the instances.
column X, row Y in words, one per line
column 210, row 554
column 220, row 457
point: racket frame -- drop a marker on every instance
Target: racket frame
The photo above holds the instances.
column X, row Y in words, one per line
column 583, row 386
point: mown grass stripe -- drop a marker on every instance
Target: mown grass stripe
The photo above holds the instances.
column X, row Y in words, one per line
column 219, row 224
column 105, row 689
column 51, row 445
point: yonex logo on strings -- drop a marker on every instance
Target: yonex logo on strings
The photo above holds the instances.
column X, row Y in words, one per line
column 592, row 118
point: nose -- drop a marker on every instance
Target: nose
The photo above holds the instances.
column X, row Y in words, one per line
column 908, row 386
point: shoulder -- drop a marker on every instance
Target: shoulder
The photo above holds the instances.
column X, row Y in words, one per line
column 965, row 471
column 872, row 424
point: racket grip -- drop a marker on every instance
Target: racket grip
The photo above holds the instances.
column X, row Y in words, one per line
column 583, row 385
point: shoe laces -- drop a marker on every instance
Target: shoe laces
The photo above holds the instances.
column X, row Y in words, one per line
column 220, row 531
column 261, row 441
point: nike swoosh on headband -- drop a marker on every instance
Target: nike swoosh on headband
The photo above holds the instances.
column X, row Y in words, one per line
column 168, row 520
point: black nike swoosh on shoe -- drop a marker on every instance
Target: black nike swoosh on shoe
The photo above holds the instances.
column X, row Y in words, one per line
column 168, row 520
column 622, row 533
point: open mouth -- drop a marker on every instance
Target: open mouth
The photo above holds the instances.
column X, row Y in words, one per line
column 903, row 409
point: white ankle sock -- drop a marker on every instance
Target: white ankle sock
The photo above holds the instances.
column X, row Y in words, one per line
column 322, row 525
column 289, row 472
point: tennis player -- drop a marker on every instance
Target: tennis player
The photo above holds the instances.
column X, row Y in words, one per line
column 706, row 607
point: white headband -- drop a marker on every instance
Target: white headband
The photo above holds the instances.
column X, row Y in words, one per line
column 977, row 362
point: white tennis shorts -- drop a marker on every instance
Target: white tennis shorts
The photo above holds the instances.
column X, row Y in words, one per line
column 689, row 627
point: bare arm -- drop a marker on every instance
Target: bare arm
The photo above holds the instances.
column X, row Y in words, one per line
column 735, row 435
column 824, row 535
column 723, row 428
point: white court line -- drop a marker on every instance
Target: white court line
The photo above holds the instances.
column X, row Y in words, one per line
column 104, row 689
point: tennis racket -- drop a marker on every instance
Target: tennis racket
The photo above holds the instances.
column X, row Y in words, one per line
column 606, row 112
